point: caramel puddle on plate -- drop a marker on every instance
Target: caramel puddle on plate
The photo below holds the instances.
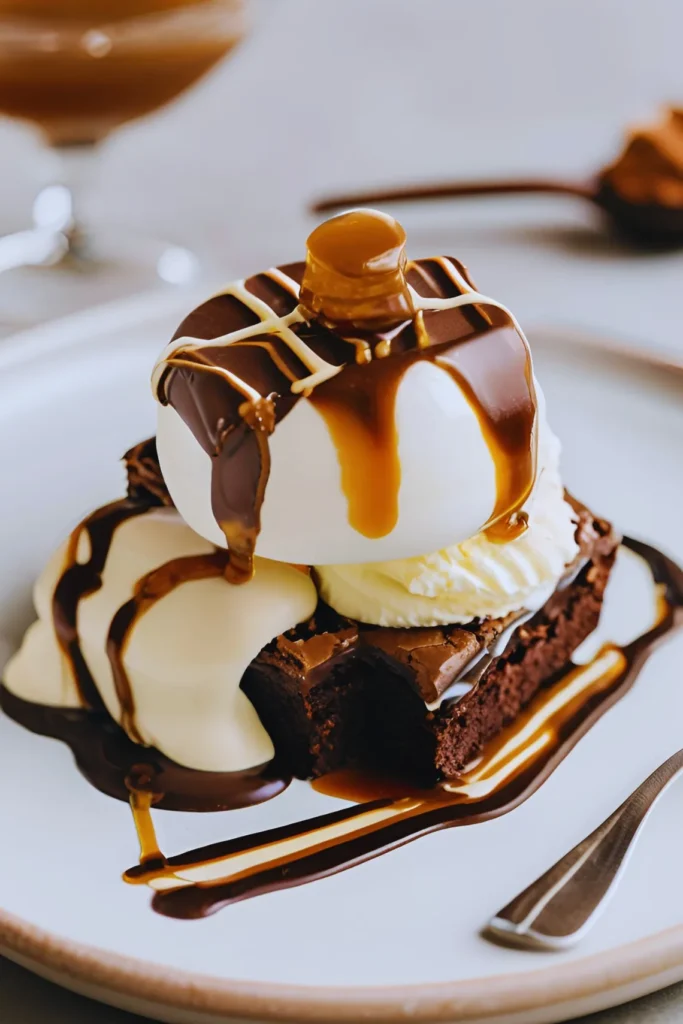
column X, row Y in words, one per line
column 200, row 882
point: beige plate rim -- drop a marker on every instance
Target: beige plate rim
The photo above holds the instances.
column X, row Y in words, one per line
column 619, row 974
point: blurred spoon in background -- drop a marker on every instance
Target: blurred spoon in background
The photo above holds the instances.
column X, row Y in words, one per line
column 641, row 193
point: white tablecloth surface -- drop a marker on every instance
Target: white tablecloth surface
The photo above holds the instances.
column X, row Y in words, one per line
column 343, row 93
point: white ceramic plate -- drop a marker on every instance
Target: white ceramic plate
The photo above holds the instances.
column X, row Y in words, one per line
column 397, row 938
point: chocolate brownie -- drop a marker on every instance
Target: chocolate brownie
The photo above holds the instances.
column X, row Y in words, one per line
column 420, row 702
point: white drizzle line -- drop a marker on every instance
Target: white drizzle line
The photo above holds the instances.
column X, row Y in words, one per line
column 250, row 393
column 452, row 272
column 320, row 369
column 454, row 275
column 471, row 299
column 288, row 283
column 269, row 323
column 193, row 343
column 421, row 333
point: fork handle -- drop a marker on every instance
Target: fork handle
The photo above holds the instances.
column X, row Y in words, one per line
column 556, row 910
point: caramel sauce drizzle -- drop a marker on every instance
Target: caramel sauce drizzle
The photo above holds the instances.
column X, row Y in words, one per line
column 200, row 882
column 141, row 801
column 355, row 271
column 341, row 331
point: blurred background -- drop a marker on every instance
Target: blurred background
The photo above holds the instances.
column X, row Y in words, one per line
column 321, row 96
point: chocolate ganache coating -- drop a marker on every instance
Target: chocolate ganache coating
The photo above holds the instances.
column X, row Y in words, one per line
column 145, row 480
column 340, row 331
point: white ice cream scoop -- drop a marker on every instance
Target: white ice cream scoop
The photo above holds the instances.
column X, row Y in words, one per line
column 447, row 487
column 398, row 433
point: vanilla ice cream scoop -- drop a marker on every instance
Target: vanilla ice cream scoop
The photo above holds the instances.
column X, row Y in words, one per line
column 475, row 579
column 355, row 408
column 163, row 641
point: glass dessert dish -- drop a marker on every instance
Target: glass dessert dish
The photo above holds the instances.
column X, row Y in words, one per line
column 78, row 71
column 347, row 556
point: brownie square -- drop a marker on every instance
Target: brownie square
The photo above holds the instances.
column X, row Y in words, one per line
column 334, row 693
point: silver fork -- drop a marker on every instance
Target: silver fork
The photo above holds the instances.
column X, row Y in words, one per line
column 556, row 910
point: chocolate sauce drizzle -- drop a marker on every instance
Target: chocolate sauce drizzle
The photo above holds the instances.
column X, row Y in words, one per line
column 344, row 336
column 112, row 755
column 641, row 192
column 200, row 882
column 149, row 589
column 79, row 580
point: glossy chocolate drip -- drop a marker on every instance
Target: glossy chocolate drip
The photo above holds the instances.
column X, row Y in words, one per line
column 116, row 766
column 231, row 397
column 491, row 364
column 234, row 432
column 376, row 316
column 476, row 344
column 142, row 799
column 79, row 580
column 145, row 481
column 151, row 588
column 202, row 881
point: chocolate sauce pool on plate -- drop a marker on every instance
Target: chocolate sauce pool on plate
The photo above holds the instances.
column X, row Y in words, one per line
column 117, row 766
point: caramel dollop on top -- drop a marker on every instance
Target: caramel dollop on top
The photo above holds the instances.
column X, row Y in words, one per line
column 355, row 270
